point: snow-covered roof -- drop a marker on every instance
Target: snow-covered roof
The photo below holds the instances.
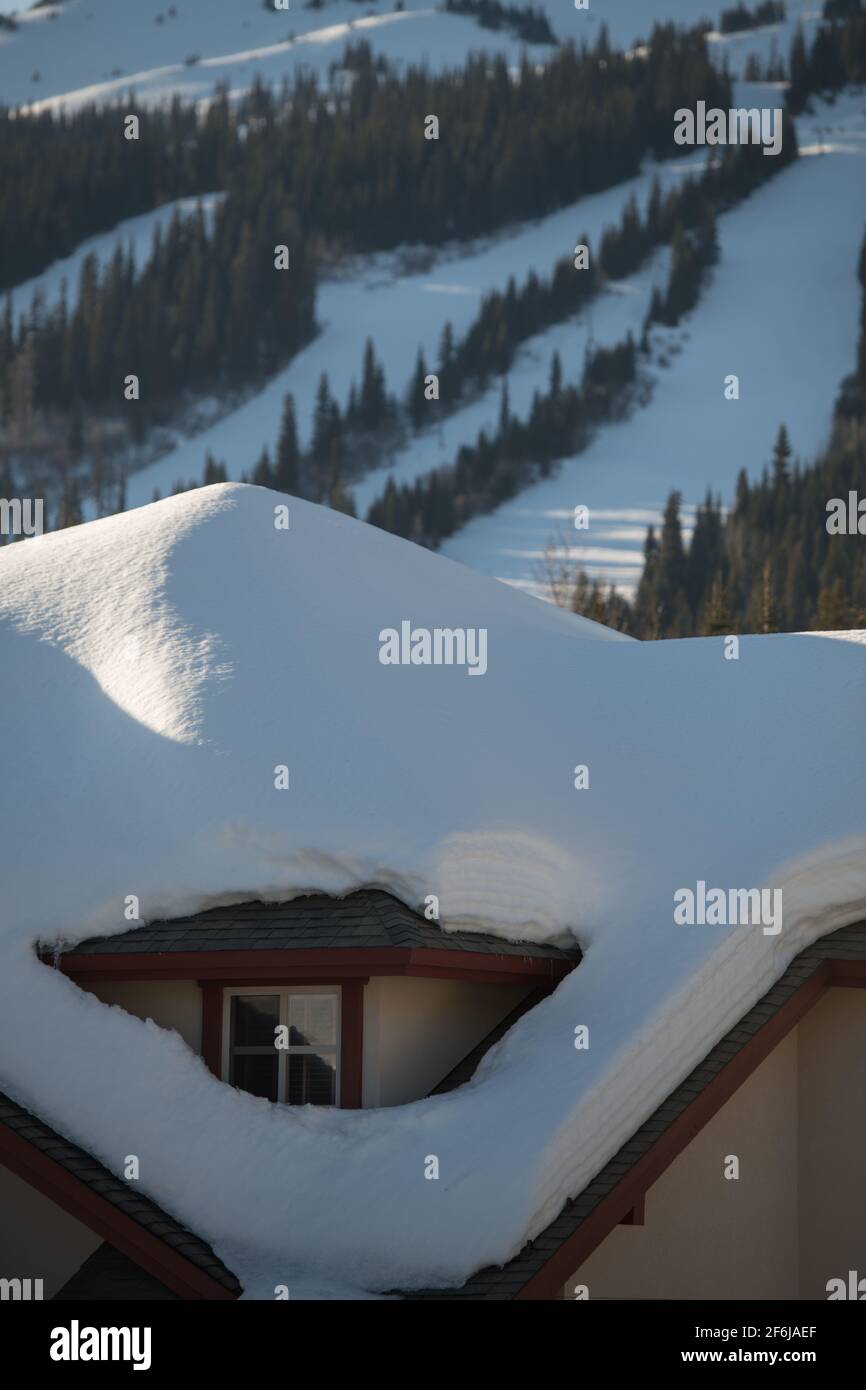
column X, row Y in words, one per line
column 72, row 1178
column 367, row 921
column 543, row 1266
column 160, row 666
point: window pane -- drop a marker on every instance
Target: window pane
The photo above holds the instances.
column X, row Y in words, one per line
column 254, row 1018
column 312, row 1079
column 313, row 1020
column 256, row 1074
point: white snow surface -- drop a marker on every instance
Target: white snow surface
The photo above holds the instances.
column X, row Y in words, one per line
column 98, row 51
column 91, row 51
column 157, row 665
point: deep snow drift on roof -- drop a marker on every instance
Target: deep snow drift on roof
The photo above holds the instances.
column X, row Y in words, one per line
column 158, row 666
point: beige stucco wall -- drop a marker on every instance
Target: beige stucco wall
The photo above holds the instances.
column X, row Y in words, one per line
column 832, row 1133
column 709, row 1237
column 38, row 1239
column 170, row 1003
column 797, row 1215
column 416, row 1030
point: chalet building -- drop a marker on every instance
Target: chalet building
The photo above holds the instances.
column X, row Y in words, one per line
column 377, row 1007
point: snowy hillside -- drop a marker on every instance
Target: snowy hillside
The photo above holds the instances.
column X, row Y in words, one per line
column 88, row 50
column 406, row 311
column 688, row 436
column 159, row 50
column 157, row 666
column 790, row 347
column 628, row 471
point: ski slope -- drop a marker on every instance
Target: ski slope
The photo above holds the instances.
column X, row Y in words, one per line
column 403, row 312
column 156, row 666
column 112, row 47
column 96, row 50
column 620, row 309
column 782, row 313
column 748, row 321
column 628, row 471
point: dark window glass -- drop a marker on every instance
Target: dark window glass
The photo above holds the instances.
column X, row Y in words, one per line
column 254, row 1018
column 256, row 1073
column 312, row 1079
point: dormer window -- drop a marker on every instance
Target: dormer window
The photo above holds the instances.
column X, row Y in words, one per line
column 319, row 1001
column 283, row 1043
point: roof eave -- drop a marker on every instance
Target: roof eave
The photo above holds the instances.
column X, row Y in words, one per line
column 322, row 963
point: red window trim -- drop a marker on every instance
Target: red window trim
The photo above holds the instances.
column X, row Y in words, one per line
column 351, row 1028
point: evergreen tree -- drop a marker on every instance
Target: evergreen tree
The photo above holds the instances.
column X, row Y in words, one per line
column 742, row 491
column 417, row 400
column 262, row 473
column 671, row 567
column 287, row 465
column 769, row 616
column 832, row 611
column 646, row 608
column 718, row 621
column 781, row 457
column 704, row 551
column 322, row 421
column 386, row 515
column 446, row 361
column 504, row 408
column 371, row 404
column 555, row 376
column 214, row 472
column 654, row 213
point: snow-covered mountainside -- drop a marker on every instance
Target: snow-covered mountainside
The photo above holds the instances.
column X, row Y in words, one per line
column 92, row 50
column 160, row 49
column 688, row 436
column 156, row 668
column 789, row 336
column 408, row 311
column 627, row 472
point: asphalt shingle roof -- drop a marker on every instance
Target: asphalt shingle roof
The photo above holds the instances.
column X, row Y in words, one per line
column 368, row 919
